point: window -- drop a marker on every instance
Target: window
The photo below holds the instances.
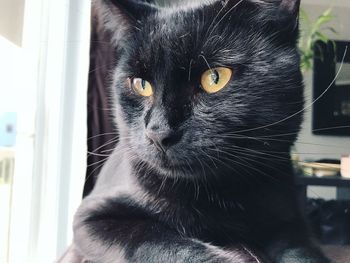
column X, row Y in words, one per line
column 43, row 85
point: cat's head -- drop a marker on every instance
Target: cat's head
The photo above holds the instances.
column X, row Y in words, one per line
column 201, row 88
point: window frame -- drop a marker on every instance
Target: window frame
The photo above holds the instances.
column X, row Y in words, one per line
column 48, row 183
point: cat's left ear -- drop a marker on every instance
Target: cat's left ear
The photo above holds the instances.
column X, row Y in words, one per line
column 279, row 9
column 120, row 17
column 263, row 10
column 288, row 8
column 282, row 16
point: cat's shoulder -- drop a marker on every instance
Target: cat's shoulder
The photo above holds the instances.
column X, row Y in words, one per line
column 116, row 171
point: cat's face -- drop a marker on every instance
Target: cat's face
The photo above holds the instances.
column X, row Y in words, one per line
column 168, row 116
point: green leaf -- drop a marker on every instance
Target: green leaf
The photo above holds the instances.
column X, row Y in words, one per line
column 312, row 33
column 321, row 20
column 332, row 30
column 322, row 37
column 327, row 12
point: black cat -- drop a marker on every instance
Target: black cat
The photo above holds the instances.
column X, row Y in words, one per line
column 200, row 92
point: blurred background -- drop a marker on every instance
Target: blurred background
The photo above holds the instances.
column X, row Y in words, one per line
column 47, row 76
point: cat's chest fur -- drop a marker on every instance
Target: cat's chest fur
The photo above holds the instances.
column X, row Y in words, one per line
column 193, row 210
column 207, row 220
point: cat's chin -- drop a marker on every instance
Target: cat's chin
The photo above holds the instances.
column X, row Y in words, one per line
column 164, row 167
column 176, row 172
column 169, row 165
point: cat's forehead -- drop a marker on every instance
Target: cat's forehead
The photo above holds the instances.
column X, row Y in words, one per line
column 179, row 32
column 186, row 36
column 179, row 26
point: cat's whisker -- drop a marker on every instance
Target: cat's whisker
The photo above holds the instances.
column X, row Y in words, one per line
column 320, row 129
column 266, row 138
column 240, row 164
column 248, row 161
column 209, row 159
column 306, row 107
column 223, row 17
column 93, row 171
column 206, row 62
column 163, row 183
column 190, row 69
column 101, row 134
column 201, row 164
column 269, row 166
column 98, row 162
column 212, row 159
column 236, row 136
column 101, row 109
column 260, row 155
column 107, row 151
column 97, row 154
column 256, row 155
column 95, row 69
column 236, row 156
column 297, row 132
column 225, row 164
column 109, row 142
column 216, row 17
column 101, row 42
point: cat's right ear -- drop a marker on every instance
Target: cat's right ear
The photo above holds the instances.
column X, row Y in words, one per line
column 120, row 17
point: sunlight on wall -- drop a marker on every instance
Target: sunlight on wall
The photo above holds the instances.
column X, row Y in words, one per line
column 17, row 96
column 11, row 20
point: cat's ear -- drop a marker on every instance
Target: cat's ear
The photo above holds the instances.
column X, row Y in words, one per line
column 284, row 15
column 121, row 16
column 268, row 9
column 279, row 9
column 281, row 16
column 290, row 7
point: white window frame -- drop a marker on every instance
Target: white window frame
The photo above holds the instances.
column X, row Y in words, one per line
column 46, row 196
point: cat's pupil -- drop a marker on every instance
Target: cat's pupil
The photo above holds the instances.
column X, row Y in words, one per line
column 215, row 77
column 143, row 84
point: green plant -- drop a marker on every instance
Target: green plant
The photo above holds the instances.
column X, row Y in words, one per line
column 313, row 31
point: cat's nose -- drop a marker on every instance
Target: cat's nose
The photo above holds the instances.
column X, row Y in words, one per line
column 163, row 139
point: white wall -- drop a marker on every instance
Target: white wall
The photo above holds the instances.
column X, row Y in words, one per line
column 341, row 3
column 11, row 20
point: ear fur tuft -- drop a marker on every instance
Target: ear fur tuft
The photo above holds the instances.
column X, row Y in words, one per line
column 290, row 7
column 121, row 16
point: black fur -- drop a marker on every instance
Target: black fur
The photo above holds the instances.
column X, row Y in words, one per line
column 224, row 190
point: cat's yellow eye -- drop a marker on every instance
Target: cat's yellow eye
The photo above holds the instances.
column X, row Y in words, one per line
column 142, row 87
column 215, row 79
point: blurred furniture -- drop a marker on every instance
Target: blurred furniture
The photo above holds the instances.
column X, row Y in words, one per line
column 331, row 113
column 342, row 184
column 7, row 163
column 338, row 254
